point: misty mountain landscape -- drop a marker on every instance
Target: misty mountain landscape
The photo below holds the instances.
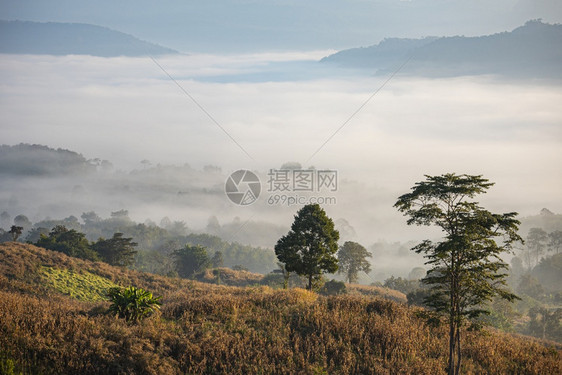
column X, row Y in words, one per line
column 245, row 187
column 531, row 50
column 54, row 38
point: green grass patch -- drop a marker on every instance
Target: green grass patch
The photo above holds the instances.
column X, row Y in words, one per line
column 83, row 285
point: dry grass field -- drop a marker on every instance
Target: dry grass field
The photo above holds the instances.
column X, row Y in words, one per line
column 51, row 322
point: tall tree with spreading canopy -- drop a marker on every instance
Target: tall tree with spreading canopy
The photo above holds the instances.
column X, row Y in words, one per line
column 352, row 259
column 310, row 246
column 191, row 259
column 117, row 251
column 466, row 267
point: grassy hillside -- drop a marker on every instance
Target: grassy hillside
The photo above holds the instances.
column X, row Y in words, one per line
column 212, row 329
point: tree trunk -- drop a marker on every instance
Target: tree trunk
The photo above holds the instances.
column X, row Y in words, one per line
column 309, row 282
column 458, row 367
column 452, row 321
column 451, row 364
column 458, row 334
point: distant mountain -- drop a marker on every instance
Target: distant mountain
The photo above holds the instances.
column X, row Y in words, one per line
column 532, row 50
column 37, row 160
column 53, row 38
column 384, row 54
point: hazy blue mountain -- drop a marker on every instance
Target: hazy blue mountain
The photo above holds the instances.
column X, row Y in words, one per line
column 532, row 50
column 53, row 38
column 235, row 26
column 384, row 54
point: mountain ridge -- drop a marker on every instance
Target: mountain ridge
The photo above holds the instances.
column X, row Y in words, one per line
column 57, row 38
column 531, row 50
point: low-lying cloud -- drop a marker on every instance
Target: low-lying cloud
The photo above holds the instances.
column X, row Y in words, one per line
column 127, row 110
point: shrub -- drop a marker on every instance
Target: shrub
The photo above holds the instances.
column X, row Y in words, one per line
column 333, row 288
column 132, row 304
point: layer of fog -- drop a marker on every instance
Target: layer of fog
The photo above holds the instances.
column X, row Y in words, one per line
column 127, row 110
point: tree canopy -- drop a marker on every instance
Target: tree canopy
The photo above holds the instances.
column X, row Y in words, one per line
column 310, row 246
column 68, row 241
column 191, row 259
column 352, row 259
column 117, row 251
column 466, row 267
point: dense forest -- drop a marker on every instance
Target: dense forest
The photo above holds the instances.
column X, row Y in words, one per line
column 154, row 243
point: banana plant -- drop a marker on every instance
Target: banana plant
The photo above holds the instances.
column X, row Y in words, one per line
column 132, row 304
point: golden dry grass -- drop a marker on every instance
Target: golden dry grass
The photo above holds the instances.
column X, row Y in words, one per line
column 231, row 277
column 216, row 329
column 376, row 291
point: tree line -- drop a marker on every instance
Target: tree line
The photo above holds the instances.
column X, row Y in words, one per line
column 155, row 242
column 116, row 251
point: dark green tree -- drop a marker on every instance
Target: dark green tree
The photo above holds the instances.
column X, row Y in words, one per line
column 310, row 246
column 191, row 259
column 117, row 251
column 15, row 231
column 132, row 304
column 352, row 258
column 69, row 242
column 466, row 267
